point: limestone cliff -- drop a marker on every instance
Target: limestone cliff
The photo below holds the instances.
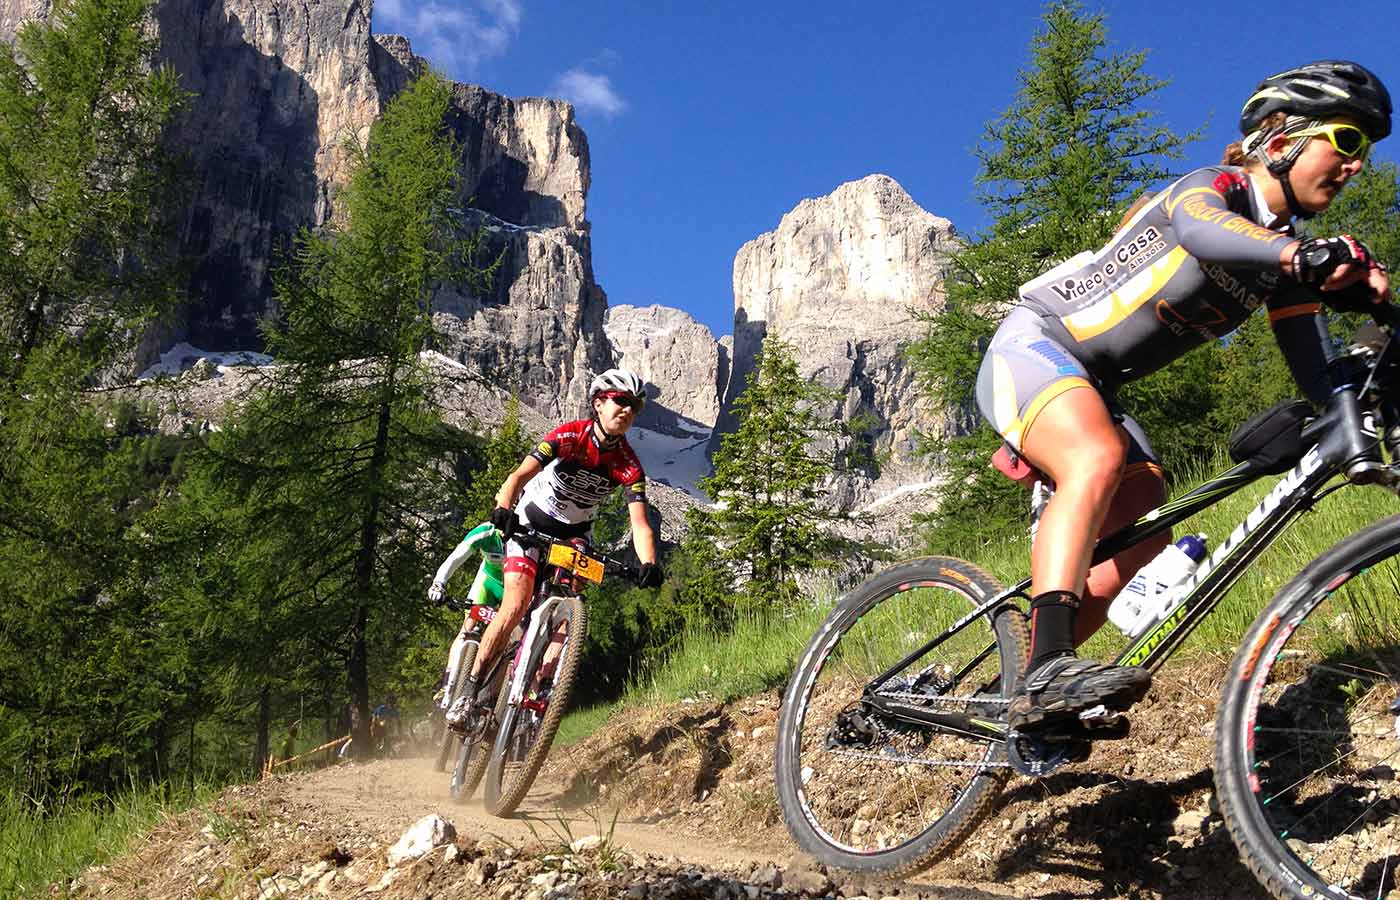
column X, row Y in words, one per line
column 679, row 357
column 839, row 279
column 279, row 87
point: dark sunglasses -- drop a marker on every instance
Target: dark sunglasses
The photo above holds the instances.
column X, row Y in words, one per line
column 621, row 398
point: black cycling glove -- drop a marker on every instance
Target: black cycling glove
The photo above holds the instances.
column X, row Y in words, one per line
column 1354, row 298
column 1317, row 258
column 650, row 575
column 504, row 521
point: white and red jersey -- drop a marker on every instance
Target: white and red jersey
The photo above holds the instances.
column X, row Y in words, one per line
column 580, row 473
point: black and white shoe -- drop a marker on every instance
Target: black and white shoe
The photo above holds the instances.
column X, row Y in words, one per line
column 1063, row 687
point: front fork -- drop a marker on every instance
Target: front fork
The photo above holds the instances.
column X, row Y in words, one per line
column 540, row 616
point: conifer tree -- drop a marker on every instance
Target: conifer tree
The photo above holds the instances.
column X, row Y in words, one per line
column 344, row 454
column 769, row 524
column 1057, row 168
column 83, row 182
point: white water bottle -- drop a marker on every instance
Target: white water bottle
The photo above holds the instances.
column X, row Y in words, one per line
column 1154, row 589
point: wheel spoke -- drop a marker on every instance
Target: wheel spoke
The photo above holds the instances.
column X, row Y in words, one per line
column 857, row 782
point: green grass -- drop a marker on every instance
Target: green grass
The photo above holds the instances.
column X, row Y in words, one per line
column 761, row 651
column 37, row 849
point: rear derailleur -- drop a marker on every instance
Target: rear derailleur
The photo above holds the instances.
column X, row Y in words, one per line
column 1038, row 753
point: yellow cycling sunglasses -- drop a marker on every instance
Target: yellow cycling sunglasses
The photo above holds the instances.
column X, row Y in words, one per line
column 1345, row 138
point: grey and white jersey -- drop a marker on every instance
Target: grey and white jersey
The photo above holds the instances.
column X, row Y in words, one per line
column 1188, row 268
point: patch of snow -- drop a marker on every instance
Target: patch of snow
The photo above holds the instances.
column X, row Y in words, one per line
column 183, row 356
column 894, row 495
column 677, row 461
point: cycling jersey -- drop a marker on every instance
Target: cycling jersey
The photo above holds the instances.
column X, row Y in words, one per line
column 486, row 587
column 1187, row 268
column 579, row 473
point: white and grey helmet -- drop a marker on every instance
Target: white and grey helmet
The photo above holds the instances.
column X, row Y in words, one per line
column 620, row 380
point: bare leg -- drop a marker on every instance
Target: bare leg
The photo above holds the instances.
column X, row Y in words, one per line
column 1141, row 491
column 515, row 599
column 1076, row 442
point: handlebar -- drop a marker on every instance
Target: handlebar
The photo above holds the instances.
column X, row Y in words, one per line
column 529, row 537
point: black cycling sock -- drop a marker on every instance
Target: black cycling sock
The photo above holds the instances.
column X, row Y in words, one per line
column 1052, row 626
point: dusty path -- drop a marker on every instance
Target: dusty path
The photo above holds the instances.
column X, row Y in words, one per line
column 383, row 798
column 386, row 796
column 687, row 790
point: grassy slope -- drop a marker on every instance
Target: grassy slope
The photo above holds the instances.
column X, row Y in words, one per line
column 760, row 653
column 37, row 850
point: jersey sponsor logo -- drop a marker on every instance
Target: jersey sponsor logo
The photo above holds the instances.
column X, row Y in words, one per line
column 1238, row 290
column 545, row 448
column 1140, row 248
column 1204, row 321
column 1130, row 254
column 1202, row 211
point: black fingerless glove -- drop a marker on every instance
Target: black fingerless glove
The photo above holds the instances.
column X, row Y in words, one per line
column 650, row 575
column 504, row 521
column 1317, row 258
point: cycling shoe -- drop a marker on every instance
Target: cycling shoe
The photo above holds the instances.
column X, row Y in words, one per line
column 1063, row 687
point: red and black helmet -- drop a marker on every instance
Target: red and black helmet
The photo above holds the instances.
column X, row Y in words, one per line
column 1322, row 90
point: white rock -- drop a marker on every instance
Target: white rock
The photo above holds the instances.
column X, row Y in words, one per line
column 427, row 833
column 584, row 844
column 277, row 887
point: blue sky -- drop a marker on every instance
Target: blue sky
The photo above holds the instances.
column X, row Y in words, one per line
column 707, row 122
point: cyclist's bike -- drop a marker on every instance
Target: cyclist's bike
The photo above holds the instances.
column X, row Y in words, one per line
column 893, row 741
column 543, row 665
column 469, row 749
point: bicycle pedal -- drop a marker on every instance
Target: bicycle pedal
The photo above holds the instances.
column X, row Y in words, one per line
column 1037, row 755
column 1101, row 724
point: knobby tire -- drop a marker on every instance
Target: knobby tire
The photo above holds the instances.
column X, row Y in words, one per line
column 831, row 803
column 1308, row 740
column 508, row 779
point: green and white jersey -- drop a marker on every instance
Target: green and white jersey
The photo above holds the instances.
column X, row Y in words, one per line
column 487, row 587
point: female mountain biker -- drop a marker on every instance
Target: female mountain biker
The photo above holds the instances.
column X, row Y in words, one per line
column 582, row 462
column 1188, row 266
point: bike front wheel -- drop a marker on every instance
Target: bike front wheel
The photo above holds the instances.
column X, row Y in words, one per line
column 1308, row 739
column 883, row 777
column 451, row 740
column 527, row 727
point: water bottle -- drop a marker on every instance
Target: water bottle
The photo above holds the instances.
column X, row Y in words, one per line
column 1153, row 590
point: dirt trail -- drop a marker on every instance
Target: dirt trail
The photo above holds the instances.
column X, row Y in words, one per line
column 689, row 787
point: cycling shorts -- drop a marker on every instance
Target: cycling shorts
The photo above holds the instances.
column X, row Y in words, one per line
column 1025, row 368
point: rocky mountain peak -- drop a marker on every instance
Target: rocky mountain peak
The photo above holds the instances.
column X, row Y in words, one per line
column 841, row 278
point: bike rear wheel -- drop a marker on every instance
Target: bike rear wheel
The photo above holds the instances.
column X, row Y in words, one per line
column 526, row 731
column 872, row 792
column 1308, row 742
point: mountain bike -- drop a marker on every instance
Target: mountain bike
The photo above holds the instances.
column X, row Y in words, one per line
column 469, row 748
column 543, row 665
column 892, row 744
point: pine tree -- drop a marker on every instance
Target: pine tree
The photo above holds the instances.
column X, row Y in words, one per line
column 83, row 179
column 1057, row 169
column 770, row 522
column 344, row 456
column 83, row 183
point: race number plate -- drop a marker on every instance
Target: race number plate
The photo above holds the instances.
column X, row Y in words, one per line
column 581, row 564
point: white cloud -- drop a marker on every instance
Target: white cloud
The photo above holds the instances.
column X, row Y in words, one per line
column 589, row 92
column 456, row 36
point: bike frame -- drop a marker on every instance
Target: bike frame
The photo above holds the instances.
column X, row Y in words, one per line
column 1333, row 451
